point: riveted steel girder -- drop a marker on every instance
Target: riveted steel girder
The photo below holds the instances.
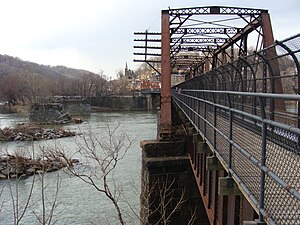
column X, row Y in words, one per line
column 198, row 40
column 216, row 10
column 206, row 30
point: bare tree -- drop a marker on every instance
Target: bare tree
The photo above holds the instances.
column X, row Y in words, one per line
column 1, row 203
column 159, row 202
column 46, row 215
column 103, row 153
column 166, row 201
column 11, row 89
column 35, row 86
column 19, row 206
column 22, row 203
column 101, row 84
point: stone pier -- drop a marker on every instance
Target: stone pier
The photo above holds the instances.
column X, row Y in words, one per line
column 169, row 191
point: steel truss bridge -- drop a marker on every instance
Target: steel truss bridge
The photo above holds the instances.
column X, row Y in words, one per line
column 242, row 101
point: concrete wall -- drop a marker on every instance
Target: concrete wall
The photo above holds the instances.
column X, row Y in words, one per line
column 4, row 109
column 148, row 102
column 77, row 108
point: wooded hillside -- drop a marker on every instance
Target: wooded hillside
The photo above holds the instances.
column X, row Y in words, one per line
column 25, row 81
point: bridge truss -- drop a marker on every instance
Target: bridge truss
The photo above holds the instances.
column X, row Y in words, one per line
column 215, row 34
column 240, row 85
column 253, row 129
column 195, row 40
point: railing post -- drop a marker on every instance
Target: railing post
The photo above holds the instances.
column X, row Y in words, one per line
column 204, row 114
column 263, row 160
column 272, row 101
column 215, row 121
column 230, row 134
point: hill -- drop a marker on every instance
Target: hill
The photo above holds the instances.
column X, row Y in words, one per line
column 13, row 65
column 27, row 81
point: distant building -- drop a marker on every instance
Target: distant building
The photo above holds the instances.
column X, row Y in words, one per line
column 177, row 78
column 150, row 86
column 149, row 81
column 129, row 74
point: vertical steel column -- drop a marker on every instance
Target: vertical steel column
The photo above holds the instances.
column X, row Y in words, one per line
column 231, row 53
column 268, row 40
column 224, row 57
column 214, row 61
column 165, row 118
column 206, row 64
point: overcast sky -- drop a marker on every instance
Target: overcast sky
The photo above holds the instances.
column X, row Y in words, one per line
column 98, row 34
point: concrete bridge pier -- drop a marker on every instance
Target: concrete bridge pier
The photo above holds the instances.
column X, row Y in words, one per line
column 149, row 102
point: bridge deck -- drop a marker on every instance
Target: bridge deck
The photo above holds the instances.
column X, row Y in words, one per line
column 239, row 147
column 284, row 163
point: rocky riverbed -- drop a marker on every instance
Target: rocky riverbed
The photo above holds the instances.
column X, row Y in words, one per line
column 14, row 166
column 32, row 133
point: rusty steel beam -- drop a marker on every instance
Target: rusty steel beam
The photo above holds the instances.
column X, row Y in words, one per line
column 197, row 48
column 268, row 40
column 206, row 65
column 182, row 62
column 186, row 56
column 244, row 31
column 206, row 30
column 186, row 61
column 199, row 40
column 215, row 10
column 165, row 117
column 182, row 33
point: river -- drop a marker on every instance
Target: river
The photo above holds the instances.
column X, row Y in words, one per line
column 77, row 202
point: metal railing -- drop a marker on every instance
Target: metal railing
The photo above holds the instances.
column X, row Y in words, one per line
column 274, row 69
column 252, row 126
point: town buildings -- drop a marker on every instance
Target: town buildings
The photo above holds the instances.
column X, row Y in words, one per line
column 148, row 79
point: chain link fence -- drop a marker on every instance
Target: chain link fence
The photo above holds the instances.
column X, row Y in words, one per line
column 248, row 112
